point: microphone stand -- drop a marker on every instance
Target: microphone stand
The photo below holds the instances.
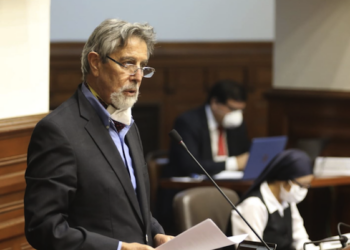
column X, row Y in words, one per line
column 175, row 135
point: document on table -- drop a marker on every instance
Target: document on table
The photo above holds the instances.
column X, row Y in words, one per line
column 229, row 175
column 203, row 236
column 332, row 166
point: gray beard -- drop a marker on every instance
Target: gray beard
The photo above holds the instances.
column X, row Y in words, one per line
column 120, row 101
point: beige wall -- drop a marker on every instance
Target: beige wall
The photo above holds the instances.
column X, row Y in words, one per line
column 312, row 45
column 174, row 21
column 24, row 57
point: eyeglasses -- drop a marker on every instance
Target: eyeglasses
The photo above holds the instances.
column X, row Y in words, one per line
column 132, row 69
column 232, row 108
column 308, row 185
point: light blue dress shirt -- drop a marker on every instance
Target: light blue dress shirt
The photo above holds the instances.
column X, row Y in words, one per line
column 118, row 138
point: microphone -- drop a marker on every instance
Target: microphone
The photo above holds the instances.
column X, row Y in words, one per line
column 343, row 239
column 176, row 137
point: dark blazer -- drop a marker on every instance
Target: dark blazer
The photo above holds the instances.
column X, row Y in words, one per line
column 193, row 128
column 79, row 194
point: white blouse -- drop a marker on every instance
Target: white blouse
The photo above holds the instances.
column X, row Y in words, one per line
column 255, row 212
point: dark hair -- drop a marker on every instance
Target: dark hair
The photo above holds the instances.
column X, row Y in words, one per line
column 224, row 90
column 287, row 165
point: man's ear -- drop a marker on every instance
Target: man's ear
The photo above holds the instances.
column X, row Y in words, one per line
column 213, row 103
column 95, row 63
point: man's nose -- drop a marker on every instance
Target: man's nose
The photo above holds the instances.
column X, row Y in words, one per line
column 138, row 74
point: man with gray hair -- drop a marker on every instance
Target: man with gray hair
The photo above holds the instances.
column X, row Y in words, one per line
column 87, row 180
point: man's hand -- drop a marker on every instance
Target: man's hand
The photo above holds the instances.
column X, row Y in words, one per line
column 135, row 246
column 160, row 239
column 242, row 160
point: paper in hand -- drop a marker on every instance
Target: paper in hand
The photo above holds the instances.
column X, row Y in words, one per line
column 203, row 236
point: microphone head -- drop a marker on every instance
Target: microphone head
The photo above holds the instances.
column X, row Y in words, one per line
column 175, row 136
column 343, row 239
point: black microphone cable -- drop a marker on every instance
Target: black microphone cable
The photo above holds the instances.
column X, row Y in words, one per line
column 344, row 239
column 175, row 135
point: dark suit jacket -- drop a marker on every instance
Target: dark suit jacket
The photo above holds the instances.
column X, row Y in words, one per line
column 193, row 128
column 79, row 194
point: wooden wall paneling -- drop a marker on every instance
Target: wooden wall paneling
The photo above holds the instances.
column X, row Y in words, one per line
column 16, row 243
column 148, row 124
column 184, row 74
column 12, row 140
column 188, row 84
column 68, row 80
column 15, row 134
column 65, row 73
column 255, row 114
column 341, row 206
column 310, row 114
column 238, row 74
column 152, row 94
column 277, row 118
column 317, row 211
column 155, row 86
column 188, row 91
column 258, row 82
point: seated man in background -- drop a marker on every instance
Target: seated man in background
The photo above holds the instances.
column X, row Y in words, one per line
column 215, row 133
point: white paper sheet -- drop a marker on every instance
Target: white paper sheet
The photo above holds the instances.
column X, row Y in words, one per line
column 203, row 236
column 332, row 166
column 229, row 175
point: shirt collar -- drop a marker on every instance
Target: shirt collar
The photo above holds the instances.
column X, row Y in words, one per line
column 270, row 200
column 93, row 92
column 100, row 110
column 212, row 123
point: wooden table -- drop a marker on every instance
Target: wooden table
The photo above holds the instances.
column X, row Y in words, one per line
column 242, row 186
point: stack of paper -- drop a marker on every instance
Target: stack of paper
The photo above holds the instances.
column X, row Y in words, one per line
column 204, row 236
column 332, row 166
column 229, row 175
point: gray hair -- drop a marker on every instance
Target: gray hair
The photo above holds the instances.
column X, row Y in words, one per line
column 111, row 35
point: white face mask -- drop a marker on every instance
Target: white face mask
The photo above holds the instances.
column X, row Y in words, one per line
column 233, row 119
column 295, row 195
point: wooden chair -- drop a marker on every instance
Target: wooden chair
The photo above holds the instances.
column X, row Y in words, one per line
column 194, row 205
column 156, row 160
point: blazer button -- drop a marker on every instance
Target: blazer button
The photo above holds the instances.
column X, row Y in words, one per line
column 146, row 238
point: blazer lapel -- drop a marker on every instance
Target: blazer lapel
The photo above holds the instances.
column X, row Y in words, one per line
column 133, row 142
column 104, row 142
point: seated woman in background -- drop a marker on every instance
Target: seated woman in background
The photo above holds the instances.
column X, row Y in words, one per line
column 270, row 204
